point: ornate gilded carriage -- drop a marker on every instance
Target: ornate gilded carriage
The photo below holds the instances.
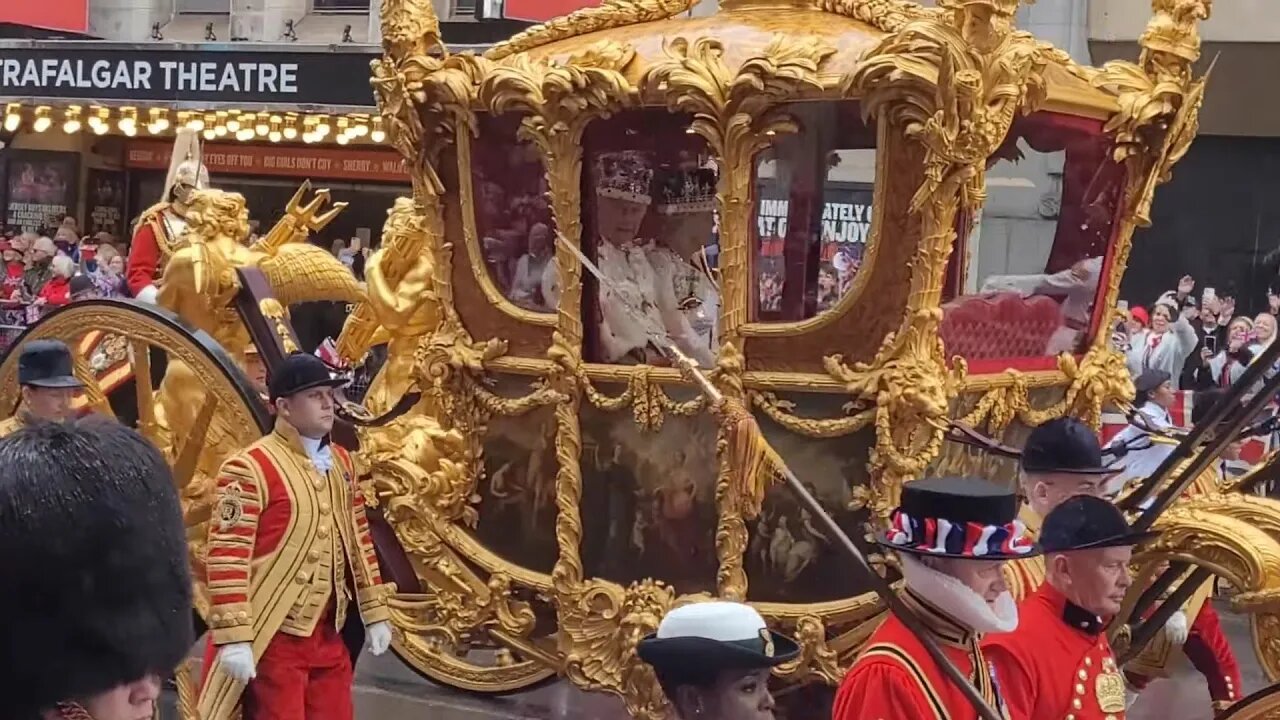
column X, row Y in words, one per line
column 792, row 196
column 587, row 487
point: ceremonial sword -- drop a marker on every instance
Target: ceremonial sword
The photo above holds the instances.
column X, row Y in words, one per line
column 878, row 584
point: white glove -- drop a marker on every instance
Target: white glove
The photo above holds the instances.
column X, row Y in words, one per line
column 1176, row 628
column 237, row 660
column 379, row 637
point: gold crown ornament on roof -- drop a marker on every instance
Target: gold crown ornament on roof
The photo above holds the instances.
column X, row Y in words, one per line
column 686, row 191
column 625, row 175
column 1006, row 8
column 1173, row 27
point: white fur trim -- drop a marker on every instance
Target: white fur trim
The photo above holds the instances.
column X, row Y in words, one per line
column 964, row 605
column 148, row 294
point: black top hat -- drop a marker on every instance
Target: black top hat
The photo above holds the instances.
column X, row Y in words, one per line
column 1085, row 522
column 299, row 372
column 47, row 364
column 94, row 550
column 695, row 642
column 1064, row 445
column 959, row 517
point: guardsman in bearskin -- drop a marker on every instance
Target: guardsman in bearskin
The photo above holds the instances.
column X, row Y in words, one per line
column 1204, row 643
column 48, row 381
column 1058, row 663
column 1061, row 459
column 953, row 537
column 158, row 232
column 97, row 600
column 289, row 550
column 713, row 660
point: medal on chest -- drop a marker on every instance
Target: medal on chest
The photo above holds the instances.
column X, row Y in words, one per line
column 1108, row 687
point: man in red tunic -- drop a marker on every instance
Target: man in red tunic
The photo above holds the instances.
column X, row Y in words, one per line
column 953, row 536
column 1058, row 663
column 290, row 555
column 159, row 230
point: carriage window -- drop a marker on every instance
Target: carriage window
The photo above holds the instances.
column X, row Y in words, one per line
column 813, row 212
column 1035, row 257
column 650, row 223
column 513, row 218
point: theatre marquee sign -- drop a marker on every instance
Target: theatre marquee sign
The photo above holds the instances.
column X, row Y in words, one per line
column 128, row 73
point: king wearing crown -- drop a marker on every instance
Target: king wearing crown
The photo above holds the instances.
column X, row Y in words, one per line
column 629, row 309
column 158, row 232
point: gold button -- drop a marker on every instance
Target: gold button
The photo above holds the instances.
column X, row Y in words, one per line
column 1081, row 673
column 215, row 618
column 318, row 483
column 301, row 578
column 1088, row 662
column 314, row 555
column 1075, row 703
column 242, row 615
column 1079, row 689
column 323, row 532
column 1071, row 717
column 324, row 508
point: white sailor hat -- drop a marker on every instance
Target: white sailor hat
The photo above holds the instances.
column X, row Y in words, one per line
column 714, row 636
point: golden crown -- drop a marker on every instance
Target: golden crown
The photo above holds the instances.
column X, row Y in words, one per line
column 625, row 175
column 687, row 191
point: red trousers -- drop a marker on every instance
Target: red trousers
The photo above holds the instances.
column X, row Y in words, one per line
column 302, row 678
column 1208, row 650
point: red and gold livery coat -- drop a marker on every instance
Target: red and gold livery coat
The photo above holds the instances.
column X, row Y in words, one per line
column 1058, row 664
column 286, row 543
column 895, row 679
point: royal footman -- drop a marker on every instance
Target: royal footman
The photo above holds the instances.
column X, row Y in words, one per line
column 1058, row 663
column 952, row 536
column 289, row 556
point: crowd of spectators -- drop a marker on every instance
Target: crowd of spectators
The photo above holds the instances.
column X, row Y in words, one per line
column 43, row 272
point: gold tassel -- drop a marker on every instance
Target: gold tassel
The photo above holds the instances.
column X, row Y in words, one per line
column 753, row 460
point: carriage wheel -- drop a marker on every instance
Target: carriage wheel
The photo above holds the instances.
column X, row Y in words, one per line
column 136, row 335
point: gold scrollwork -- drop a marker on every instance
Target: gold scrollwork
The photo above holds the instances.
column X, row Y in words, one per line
column 609, row 15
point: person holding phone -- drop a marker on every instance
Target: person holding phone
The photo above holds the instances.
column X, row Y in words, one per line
column 1221, row 365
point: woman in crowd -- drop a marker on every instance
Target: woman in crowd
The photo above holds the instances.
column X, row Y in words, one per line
column 713, row 661
column 1165, row 345
column 58, row 290
column 13, row 271
column 109, row 275
column 1228, row 364
column 1264, row 332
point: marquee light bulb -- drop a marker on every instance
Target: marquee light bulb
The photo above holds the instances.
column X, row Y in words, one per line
column 274, row 136
column 378, row 136
column 244, row 134
column 12, row 121
column 343, row 139
column 43, row 121
column 209, row 134
column 220, row 131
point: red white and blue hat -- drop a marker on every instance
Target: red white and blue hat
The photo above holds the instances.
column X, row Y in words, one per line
column 959, row 517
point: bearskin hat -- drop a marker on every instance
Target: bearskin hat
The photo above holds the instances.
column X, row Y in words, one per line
column 97, row 587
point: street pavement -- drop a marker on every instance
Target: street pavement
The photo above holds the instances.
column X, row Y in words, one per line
column 386, row 689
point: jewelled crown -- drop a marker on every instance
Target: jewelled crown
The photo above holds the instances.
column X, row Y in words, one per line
column 686, row 191
column 624, row 175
